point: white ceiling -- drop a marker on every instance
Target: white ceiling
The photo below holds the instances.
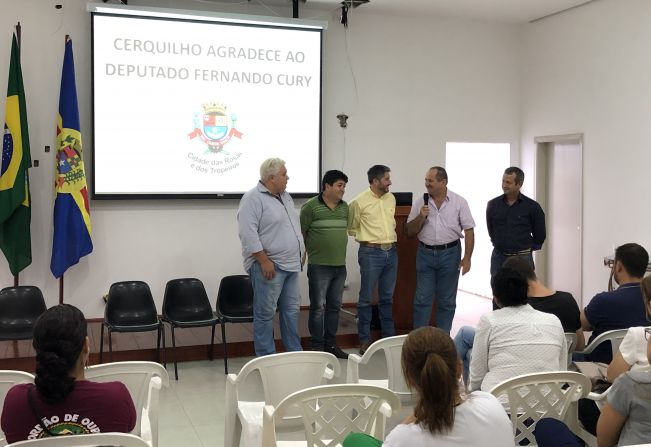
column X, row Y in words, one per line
column 510, row 11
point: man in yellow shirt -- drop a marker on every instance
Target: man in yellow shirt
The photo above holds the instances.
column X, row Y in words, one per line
column 372, row 222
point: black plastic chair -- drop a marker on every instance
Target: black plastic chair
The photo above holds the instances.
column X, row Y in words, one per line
column 234, row 304
column 19, row 308
column 185, row 305
column 130, row 308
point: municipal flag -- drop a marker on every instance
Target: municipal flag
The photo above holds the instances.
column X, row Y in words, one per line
column 72, row 227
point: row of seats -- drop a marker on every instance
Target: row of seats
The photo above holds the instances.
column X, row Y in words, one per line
column 286, row 405
column 130, row 308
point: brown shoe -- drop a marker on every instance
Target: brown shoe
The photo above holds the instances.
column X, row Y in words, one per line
column 363, row 347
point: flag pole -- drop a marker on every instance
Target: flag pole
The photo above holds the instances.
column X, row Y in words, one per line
column 16, row 277
column 61, row 290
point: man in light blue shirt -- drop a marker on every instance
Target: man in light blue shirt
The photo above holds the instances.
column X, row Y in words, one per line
column 273, row 251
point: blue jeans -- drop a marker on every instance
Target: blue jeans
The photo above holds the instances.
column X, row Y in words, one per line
column 281, row 292
column 437, row 276
column 464, row 341
column 326, row 287
column 377, row 267
column 498, row 258
column 554, row 433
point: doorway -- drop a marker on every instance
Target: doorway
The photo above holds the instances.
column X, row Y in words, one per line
column 559, row 190
column 475, row 171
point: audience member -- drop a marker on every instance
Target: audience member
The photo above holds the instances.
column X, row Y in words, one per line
column 544, row 299
column 625, row 418
column 621, row 308
column 63, row 402
column 443, row 417
column 515, row 339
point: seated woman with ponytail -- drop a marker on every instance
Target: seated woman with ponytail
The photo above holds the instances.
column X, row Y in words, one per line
column 62, row 402
column 442, row 416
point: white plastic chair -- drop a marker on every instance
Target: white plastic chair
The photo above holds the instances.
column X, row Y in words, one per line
column 615, row 337
column 570, row 339
column 329, row 413
column 9, row 378
column 531, row 397
column 280, row 375
column 137, row 377
column 92, row 440
column 392, row 349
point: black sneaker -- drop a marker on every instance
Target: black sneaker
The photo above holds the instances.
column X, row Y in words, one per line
column 337, row 352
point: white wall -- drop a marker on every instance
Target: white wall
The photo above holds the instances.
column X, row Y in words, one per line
column 589, row 71
column 420, row 82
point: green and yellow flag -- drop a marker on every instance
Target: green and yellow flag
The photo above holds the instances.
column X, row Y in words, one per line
column 15, row 211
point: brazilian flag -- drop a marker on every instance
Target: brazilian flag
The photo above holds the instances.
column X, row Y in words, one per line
column 15, row 211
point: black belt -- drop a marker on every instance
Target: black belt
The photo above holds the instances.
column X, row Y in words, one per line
column 440, row 247
column 523, row 252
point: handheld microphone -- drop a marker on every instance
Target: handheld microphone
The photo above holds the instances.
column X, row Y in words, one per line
column 425, row 200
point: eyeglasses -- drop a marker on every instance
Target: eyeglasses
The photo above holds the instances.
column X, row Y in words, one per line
column 647, row 332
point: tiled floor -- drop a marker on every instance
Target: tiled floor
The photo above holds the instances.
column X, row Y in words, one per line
column 192, row 408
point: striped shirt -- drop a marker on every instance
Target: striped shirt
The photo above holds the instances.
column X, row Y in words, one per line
column 325, row 232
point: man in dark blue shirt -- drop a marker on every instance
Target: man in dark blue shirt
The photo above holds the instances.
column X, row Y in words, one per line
column 516, row 223
column 621, row 308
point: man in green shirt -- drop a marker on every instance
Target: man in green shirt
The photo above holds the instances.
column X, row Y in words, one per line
column 323, row 222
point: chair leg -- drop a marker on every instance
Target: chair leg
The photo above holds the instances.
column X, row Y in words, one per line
column 110, row 346
column 212, row 342
column 224, row 344
column 176, row 371
column 162, row 331
column 101, row 343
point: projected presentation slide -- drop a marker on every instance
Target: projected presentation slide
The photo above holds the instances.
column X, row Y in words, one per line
column 193, row 108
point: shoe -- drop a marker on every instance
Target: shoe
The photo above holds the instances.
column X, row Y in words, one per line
column 337, row 352
column 363, row 347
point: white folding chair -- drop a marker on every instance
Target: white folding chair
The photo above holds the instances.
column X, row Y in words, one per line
column 137, row 377
column 92, row 440
column 615, row 338
column 392, row 349
column 570, row 339
column 329, row 413
column 9, row 378
column 279, row 376
column 531, row 397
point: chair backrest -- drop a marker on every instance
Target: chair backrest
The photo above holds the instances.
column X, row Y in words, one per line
column 130, row 303
column 570, row 339
column 531, row 397
column 615, row 338
column 331, row 412
column 185, row 299
column 235, row 297
column 136, row 376
column 283, row 374
column 92, row 440
column 8, row 379
column 392, row 349
column 19, row 308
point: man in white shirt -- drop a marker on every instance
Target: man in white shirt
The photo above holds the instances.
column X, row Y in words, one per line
column 440, row 225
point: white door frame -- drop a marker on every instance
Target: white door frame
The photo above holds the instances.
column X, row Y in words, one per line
column 541, row 163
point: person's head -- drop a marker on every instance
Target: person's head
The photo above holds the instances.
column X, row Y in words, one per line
column 273, row 174
column 379, row 178
column 432, row 368
column 630, row 259
column 61, row 345
column 645, row 285
column 512, row 180
column 436, row 180
column 333, row 185
column 522, row 266
column 509, row 287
